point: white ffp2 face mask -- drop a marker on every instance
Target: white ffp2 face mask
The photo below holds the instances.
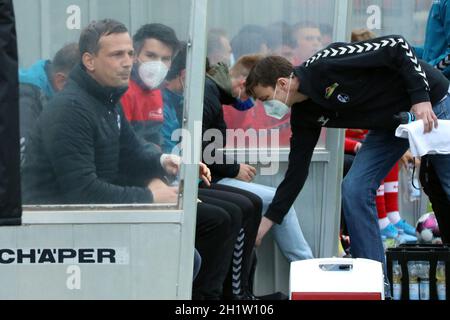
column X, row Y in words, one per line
column 275, row 108
column 153, row 73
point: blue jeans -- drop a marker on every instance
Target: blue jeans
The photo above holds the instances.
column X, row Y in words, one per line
column 380, row 151
column 288, row 235
column 441, row 163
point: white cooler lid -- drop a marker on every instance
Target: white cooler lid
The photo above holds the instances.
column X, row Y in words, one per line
column 336, row 275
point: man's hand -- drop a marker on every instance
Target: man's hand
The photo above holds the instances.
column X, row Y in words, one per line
column 205, row 174
column 246, row 173
column 424, row 111
column 408, row 158
column 264, row 227
column 162, row 193
column 171, row 164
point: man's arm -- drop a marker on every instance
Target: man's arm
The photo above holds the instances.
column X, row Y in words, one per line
column 443, row 61
column 391, row 52
column 210, row 116
column 134, row 158
column 69, row 140
column 30, row 106
column 303, row 142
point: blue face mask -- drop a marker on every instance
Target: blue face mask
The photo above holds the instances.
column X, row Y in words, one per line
column 243, row 105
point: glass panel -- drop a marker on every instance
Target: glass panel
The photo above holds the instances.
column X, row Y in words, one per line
column 385, row 17
column 92, row 131
column 405, row 17
column 295, row 29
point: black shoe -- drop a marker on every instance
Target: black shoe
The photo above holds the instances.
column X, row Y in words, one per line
column 274, row 296
column 246, row 295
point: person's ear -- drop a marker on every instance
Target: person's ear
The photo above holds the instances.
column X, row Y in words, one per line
column 88, row 60
column 282, row 82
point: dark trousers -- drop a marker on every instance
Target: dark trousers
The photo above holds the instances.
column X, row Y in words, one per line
column 214, row 240
column 439, row 199
column 243, row 212
column 251, row 206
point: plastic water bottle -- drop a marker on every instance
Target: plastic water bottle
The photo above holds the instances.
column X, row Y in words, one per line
column 440, row 280
column 405, row 117
column 400, row 238
column 424, row 275
column 413, row 183
column 396, row 281
column 413, row 280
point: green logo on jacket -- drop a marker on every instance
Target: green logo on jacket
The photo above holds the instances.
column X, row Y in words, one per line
column 330, row 90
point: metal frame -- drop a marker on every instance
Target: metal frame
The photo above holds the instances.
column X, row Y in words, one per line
column 185, row 212
column 196, row 63
column 335, row 147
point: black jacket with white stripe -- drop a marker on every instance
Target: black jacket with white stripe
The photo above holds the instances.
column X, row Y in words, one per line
column 361, row 85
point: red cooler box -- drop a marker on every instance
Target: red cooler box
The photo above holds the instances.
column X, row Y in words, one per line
column 336, row 279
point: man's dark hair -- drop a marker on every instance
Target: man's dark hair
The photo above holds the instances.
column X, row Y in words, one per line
column 156, row 31
column 304, row 25
column 214, row 40
column 65, row 59
column 249, row 40
column 178, row 63
column 267, row 72
column 279, row 34
column 90, row 36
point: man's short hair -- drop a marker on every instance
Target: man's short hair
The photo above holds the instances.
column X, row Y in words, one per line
column 157, row 31
column 214, row 43
column 249, row 40
column 244, row 64
column 362, row 35
column 267, row 72
column 305, row 25
column 178, row 63
column 90, row 36
column 279, row 34
column 65, row 59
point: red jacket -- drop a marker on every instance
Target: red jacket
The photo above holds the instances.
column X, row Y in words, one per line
column 352, row 137
column 144, row 109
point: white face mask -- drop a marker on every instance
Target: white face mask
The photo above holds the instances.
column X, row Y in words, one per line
column 275, row 108
column 153, row 73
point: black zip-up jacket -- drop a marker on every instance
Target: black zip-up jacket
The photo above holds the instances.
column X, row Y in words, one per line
column 10, row 202
column 214, row 98
column 83, row 147
column 361, row 85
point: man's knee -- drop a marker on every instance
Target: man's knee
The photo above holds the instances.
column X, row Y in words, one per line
column 351, row 189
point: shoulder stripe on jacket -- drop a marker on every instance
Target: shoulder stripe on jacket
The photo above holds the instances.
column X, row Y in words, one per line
column 371, row 46
column 444, row 63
